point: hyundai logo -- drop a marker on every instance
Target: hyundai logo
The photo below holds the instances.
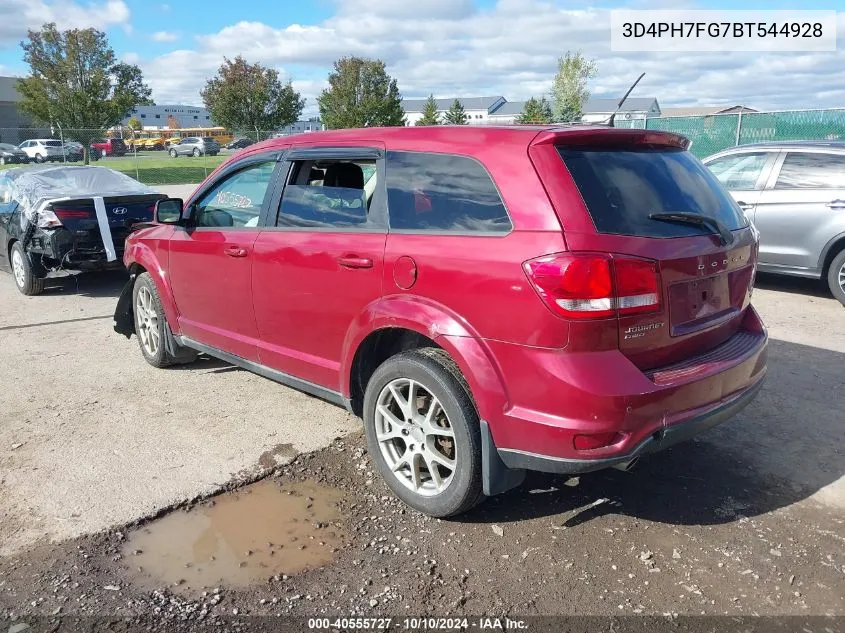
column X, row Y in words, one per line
column 119, row 210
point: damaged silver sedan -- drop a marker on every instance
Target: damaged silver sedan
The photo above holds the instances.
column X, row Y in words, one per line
column 58, row 220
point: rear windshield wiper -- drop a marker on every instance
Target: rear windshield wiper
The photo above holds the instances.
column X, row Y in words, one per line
column 685, row 217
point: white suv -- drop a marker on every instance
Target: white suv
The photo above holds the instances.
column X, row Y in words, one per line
column 43, row 149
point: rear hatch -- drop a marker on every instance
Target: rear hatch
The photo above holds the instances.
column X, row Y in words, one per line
column 682, row 288
column 118, row 146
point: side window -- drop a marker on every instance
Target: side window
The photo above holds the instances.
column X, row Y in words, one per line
column 329, row 194
column 442, row 192
column 739, row 172
column 812, row 171
column 236, row 200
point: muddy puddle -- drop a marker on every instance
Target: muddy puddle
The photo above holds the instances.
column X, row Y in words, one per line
column 241, row 539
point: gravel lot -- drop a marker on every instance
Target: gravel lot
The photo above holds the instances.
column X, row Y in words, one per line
column 748, row 519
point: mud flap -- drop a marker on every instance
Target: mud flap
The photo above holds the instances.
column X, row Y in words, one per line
column 496, row 478
column 124, row 316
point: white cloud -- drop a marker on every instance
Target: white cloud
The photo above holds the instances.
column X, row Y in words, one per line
column 165, row 7
column 165, row 36
column 17, row 16
column 130, row 58
column 451, row 49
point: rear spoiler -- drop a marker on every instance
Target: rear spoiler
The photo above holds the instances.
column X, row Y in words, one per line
column 598, row 136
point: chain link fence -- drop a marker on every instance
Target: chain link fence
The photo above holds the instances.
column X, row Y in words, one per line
column 713, row 133
column 150, row 157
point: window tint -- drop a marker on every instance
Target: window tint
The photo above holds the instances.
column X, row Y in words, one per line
column 442, row 192
column 330, row 193
column 812, row 171
column 621, row 188
column 739, row 171
column 236, row 200
column 53, row 143
column 208, row 139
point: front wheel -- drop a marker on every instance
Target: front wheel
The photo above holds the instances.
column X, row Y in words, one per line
column 39, row 158
column 423, row 432
column 27, row 282
column 836, row 277
column 173, row 153
column 150, row 323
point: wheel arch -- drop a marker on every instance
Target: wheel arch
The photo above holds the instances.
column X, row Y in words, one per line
column 143, row 260
column 399, row 323
column 830, row 251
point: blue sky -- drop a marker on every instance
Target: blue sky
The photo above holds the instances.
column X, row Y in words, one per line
column 445, row 47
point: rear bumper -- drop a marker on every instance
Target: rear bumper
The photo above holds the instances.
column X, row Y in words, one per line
column 554, row 396
column 657, row 441
column 54, row 252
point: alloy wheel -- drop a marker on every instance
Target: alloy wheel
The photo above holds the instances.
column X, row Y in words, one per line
column 842, row 277
column 18, row 268
column 147, row 320
column 415, row 437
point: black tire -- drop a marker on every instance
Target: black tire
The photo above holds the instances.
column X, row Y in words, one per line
column 196, row 153
column 160, row 357
column 32, row 284
column 173, row 153
column 39, row 158
column 438, row 373
column 836, row 277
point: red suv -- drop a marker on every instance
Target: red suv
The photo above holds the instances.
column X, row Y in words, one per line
column 489, row 300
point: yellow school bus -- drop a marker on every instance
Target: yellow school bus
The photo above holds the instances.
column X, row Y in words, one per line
column 161, row 139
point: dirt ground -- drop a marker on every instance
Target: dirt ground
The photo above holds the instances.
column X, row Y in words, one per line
column 746, row 520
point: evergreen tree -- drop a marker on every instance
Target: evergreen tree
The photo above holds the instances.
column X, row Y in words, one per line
column 456, row 115
column 537, row 111
column 430, row 115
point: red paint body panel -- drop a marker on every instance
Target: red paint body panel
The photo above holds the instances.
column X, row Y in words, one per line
column 302, row 301
column 212, row 290
column 306, row 299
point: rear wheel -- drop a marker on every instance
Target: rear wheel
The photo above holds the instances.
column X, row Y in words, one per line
column 836, row 277
column 423, row 432
column 196, row 152
column 26, row 280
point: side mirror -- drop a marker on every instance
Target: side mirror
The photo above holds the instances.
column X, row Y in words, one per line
column 168, row 211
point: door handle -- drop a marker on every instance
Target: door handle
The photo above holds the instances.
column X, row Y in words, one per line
column 744, row 205
column 836, row 204
column 235, row 251
column 353, row 261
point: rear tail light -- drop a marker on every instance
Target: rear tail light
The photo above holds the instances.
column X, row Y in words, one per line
column 594, row 285
column 51, row 217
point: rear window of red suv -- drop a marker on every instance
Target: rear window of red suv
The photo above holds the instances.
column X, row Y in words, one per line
column 621, row 188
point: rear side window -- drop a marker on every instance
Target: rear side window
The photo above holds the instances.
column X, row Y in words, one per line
column 804, row 170
column 53, row 143
column 442, row 192
column 208, row 139
column 739, row 172
column 329, row 194
column 621, row 188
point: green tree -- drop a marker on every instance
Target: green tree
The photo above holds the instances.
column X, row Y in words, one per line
column 76, row 83
column 246, row 96
column 569, row 90
column 456, row 115
column 536, row 111
column 360, row 94
column 430, row 115
column 135, row 124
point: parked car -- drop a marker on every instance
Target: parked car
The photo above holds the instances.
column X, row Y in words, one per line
column 794, row 193
column 50, row 220
column 43, row 150
column 10, row 154
column 240, row 143
column 74, row 151
column 195, row 146
column 156, row 143
column 109, row 147
column 488, row 300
